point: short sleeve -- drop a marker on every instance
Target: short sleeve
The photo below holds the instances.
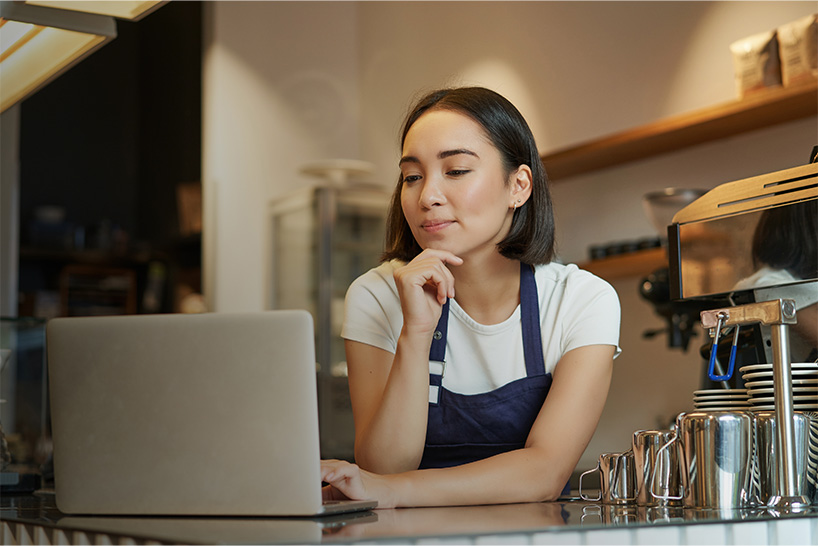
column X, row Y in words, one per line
column 372, row 313
column 594, row 314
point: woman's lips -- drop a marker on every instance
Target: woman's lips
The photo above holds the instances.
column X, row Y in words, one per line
column 436, row 225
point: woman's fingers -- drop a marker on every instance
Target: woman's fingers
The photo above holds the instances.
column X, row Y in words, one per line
column 328, row 492
column 424, row 278
column 347, row 481
column 426, row 270
column 433, row 276
column 344, row 479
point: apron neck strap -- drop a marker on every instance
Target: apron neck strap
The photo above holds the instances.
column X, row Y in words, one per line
column 438, row 349
column 529, row 315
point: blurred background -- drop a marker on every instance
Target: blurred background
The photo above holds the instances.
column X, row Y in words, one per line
column 237, row 156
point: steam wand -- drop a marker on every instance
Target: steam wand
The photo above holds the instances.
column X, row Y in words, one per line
column 777, row 314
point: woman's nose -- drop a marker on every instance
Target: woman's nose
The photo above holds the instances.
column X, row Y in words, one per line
column 431, row 194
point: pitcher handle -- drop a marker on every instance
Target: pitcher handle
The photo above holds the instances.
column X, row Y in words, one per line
column 667, row 477
column 581, row 494
column 615, row 481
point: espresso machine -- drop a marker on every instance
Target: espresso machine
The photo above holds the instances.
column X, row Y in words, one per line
column 744, row 256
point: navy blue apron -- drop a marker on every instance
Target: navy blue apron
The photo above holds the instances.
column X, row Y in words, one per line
column 463, row 428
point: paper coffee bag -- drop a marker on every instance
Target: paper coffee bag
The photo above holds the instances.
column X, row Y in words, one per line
column 756, row 63
column 798, row 50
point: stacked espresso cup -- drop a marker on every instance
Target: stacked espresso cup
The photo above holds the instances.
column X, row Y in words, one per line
column 721, row 400
column 758, row 379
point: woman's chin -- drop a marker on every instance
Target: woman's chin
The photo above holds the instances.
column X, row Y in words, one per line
column 439, row 245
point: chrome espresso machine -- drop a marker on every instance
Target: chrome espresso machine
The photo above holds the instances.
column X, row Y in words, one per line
column 746, row 255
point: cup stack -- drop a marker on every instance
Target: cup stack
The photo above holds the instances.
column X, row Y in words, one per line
column 721, row 400
column 758, row 378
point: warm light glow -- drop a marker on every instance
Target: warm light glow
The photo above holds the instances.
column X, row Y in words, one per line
column 37, row 44
column 37, row 60
column 13, row 35
column 123, row 9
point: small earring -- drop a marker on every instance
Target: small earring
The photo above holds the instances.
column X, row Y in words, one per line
column 515, row 204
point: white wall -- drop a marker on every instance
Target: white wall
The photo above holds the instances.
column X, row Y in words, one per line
column 577, row 70
column 280, row 90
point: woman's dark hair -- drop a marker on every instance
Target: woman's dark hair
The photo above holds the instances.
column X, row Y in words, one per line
column 787, row 238
column 531, row 237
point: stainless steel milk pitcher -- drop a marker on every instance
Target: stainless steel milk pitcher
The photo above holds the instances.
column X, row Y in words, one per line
column 715, row 453
column 617, row 480
column 646, row 446
column 767, row 470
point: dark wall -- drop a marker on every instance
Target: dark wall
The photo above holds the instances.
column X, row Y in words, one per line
column 111, row 138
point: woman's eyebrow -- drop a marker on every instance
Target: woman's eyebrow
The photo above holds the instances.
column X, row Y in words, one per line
column 442, row 155
column 448, row 153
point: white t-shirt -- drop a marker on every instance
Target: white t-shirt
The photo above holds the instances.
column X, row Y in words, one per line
column 778, row 283
column 576, row 309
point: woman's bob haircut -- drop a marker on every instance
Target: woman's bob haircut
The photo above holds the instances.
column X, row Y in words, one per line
column 531, row 236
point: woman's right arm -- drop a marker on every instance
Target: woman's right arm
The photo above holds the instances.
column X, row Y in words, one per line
column 390, row 393
column 390, row 396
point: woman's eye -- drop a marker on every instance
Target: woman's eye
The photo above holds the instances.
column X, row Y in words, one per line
column 458, row 172
column 411, row 178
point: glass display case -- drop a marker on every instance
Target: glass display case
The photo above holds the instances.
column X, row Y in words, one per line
column 322, row 239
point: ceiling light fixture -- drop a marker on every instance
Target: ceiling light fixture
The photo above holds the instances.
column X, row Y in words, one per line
column 39, row 43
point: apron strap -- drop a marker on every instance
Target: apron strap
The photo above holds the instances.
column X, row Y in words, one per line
column 530, row 317
column 438, row 349
column 437, row 353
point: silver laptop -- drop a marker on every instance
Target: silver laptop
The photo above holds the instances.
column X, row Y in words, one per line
column 212, row 414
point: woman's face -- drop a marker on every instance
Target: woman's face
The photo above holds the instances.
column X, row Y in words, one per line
column 455, row 193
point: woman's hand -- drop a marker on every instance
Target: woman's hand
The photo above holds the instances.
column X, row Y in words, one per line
column 423, row 286
column 390, row 392
column 347, row 481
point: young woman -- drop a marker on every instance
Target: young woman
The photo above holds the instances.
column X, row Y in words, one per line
column 478, row 368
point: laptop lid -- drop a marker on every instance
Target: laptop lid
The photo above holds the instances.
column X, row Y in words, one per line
column 209, row 414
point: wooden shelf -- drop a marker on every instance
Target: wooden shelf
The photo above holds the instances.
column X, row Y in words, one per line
column 642, row 262
column 757, row 111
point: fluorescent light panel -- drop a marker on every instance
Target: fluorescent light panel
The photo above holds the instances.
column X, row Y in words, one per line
column 121, row 9
column 37, row 44
column 14, row 35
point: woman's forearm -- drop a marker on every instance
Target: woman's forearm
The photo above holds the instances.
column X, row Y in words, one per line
column 523, row 475
column 394, row 437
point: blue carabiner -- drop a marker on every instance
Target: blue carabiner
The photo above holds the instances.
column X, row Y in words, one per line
column 732, row 362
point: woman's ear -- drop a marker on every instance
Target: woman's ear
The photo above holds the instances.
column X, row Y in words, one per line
column 520, row 184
